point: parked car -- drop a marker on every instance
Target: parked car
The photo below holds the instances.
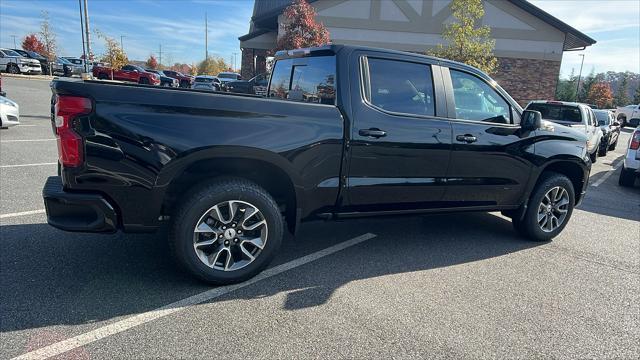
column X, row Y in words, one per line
column 44, row 63
column 610, row 128
column 164, row 80
column 9, row 113
column 78, row 64
column 225, row 77
column 230, row 172
column 131, row 73
column 2, row 93
column 63, row 67
column 256, row 85
column 14, row 63
column 206, row 82
column 628, row 115
column 186, row 81
column 631, row 163
column 574, row 115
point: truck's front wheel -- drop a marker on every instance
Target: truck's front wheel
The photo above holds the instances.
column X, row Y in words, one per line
column 226, row 231
column 549, row 210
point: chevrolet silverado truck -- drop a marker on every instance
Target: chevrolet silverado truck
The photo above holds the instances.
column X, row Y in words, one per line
column 344, row 132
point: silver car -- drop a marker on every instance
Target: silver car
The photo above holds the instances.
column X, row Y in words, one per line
column 631, row 163
column 206, row 82
column 12, row 62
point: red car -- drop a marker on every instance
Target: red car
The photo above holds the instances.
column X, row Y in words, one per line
column 185, row 80
column 130, row 73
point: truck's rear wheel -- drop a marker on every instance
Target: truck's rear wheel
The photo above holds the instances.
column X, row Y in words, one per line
column 143, row 81
column 549, row 210
column 226, row 231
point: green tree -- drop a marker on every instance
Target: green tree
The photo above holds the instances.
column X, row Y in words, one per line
column 212, row 66
column 566, row 89
column 114, row 55
column 636, row 96
column 621, row 98
column 468, row 41
column 585, row 86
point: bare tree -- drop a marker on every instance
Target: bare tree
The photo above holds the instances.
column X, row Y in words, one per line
column 49, row 38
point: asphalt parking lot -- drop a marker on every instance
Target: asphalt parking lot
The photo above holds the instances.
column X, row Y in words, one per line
column 439, row 286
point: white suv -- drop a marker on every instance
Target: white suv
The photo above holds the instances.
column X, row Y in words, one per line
column 575, row 115
column 12, row 62
column 631, row 164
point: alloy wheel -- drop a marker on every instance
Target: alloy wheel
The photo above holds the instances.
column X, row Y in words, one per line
column 230, row 235
column 553, row 209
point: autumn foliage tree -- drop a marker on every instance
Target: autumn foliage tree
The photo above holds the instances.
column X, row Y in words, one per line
column 601, row 95
column 152, row 63
column 212, row 66
column 468, row 42
column 32, row 43
column 300, row 28
column 114, row 55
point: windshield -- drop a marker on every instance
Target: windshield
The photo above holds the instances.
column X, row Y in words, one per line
column 204, row 80
column 10, row 53
column 35, row 55
column 557, row 112
column 64, row 61
column 603, row 117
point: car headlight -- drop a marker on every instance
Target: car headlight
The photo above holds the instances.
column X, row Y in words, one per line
column 5, row 101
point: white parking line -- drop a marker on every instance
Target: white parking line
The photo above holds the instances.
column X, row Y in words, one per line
column 136, row 320
column 22, row 125
column 31, row 212
column 23, row 165
column 607, row 174
column 26, row 140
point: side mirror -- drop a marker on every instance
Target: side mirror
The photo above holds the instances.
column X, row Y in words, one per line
column 616, row 123
column 531, row 120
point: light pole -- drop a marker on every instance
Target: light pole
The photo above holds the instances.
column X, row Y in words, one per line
column 14, row 41
column 121, row 46
column 579, row 76
column 85, row 60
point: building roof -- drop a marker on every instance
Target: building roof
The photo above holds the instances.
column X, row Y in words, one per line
column 266, row 12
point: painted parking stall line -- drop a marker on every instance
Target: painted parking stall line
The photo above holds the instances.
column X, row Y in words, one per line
column 25, row 140
column 23, row 213
column 145, row 317
column 27, row 165
column 608, row 174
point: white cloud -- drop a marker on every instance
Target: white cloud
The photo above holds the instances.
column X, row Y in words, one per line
column 594, row 16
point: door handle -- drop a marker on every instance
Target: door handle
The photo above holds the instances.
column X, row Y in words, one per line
column 373, row 132
column 466, row 138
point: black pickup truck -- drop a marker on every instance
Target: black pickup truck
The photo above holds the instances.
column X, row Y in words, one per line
column 343, row 132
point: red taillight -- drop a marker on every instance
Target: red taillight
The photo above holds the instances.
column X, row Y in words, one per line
column 635, row 141
column 69, row 142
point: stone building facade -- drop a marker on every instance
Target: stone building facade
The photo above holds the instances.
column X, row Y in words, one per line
column 529, row 42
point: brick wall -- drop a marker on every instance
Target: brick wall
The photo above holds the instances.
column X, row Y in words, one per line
column 254, row 62
column 527, row 79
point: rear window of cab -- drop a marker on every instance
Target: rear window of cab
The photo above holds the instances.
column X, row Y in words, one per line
column 557, row 112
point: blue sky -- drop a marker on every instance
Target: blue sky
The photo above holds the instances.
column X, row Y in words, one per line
column 179, row 27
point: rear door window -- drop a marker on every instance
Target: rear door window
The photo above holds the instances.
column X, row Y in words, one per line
column 309, row 79
column 401, row 87
column 557, row 112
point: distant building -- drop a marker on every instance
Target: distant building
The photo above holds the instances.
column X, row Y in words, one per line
column 529, row 41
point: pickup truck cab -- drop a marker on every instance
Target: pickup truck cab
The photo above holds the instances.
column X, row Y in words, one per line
column 577, row 116
column 130, row 73
column 344, row 132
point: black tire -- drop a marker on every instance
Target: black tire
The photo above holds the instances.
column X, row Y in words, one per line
column 203, row 198
column 103, row 76
column 622, row 120
column 627, row 178
column 602, row 151
column 144, row 81
column 613, row 146
column 184, row 84
column 528, row 226
column 13, row 68
column 594, row 156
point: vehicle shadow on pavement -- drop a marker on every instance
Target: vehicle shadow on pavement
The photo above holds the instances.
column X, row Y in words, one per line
column 54, row 278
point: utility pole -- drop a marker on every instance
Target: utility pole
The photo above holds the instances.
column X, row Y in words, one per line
column 206, row 40
column 235, row 55
column 84, row 51
column 579, row 76
column 160, row 55
column 86, row 29
column 14, row 41
column 121, row 46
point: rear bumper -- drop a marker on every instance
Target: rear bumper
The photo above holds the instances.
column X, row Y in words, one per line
column 83, row 212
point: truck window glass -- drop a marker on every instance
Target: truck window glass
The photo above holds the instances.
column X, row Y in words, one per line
column 310, row 80
column 476, row 100
column 401, row 86
column 557, row 112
